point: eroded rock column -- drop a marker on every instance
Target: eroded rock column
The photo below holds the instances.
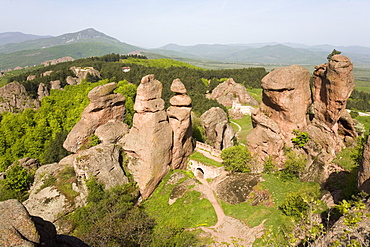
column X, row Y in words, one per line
column 149, row 142
column 180, row 120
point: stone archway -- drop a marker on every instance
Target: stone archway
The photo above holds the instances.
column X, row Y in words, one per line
column 199, row 173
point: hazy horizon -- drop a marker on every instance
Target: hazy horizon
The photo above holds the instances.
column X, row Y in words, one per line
column 155, row 23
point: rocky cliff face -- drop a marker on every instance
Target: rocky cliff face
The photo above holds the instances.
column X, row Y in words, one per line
column 14, row 98
column 286, row 107
column 217, row 128
column 149, row 142
column 179, row 114
column 229, row 91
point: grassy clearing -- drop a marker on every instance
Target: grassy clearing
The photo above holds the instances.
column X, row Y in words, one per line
column 204, row 160
column 278, row 190
column 246, row 125
column 189, row 211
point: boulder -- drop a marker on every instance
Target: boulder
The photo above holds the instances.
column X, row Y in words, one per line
column 103, row 107
column 14, row 98
column 217, row 128
column 180, row 121
column 19, row 228
column 112, row 131
column 229, row 91
column 16, row 226
column 149, row 142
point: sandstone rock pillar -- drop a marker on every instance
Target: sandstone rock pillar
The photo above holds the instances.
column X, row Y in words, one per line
column 149, row 142
column 180, row 120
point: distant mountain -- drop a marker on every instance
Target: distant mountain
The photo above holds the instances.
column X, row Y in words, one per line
column 87, row 35
column 267, row 53
column 86, row 43
column 16, row 37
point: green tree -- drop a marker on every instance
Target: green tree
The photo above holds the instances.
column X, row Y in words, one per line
column 334, row 52
column 236, row 159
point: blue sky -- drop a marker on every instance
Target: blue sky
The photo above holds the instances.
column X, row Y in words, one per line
column 154, row 23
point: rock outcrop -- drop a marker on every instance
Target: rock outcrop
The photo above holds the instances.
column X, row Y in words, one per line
column 55, row 84
column 287, row 107
column 217, row 128
column 149, row 142
column 229, row 91
column 42, row 91
column 333, row 84
column 19, row 228
column 81, row 73
column 180, row 120
column 14, row 98
column 363, row 178
column 104, row 106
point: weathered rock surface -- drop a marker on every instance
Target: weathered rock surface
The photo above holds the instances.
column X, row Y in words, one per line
column 18, row 228
column 217, row 128
column 180, row 121
column 102, row 162
column 14, row 98
column 112, row 131
column 103, row 107
column 333, row 84
column 229, row 91
column 235, row 187
column 81, row 73
column 149, row 142
column 363, row 180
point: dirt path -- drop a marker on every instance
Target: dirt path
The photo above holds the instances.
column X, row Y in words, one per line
column 228, row 231
column 216, row 205
column 208, row 155
column 239, row 129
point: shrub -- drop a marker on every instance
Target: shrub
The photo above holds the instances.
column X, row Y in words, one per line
column 294, row 165
column 301, row 138
column 236, row 159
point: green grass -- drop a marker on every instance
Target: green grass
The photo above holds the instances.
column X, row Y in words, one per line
column 64, row 183
column 204, row 160
column 256, row 93
column 187, row 212
column 246, row 125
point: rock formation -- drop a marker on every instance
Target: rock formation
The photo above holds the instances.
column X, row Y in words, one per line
column 42, row 91
column 363, row 178
column 18, row 228
column 103, row 107
column 217, row 128
column 81, row 73
column 286, row 104
column 229, row 91
column 14, row 98
column 55, row 84
column 333, row 84
column 180, row 120
column 149, row 142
